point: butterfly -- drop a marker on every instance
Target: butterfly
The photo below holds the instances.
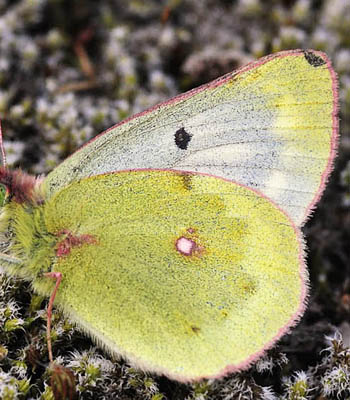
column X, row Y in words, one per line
column 174, row 238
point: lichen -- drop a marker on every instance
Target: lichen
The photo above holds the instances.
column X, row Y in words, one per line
column 143, row 53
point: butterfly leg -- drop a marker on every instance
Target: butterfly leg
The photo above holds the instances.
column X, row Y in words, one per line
column 58, row 277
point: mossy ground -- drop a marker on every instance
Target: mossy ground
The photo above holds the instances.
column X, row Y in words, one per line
column 70, row 69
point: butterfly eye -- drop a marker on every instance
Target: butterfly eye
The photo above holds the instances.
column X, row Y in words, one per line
column 3, row 194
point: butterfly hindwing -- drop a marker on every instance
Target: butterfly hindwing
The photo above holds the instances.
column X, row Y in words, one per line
column 187, row 274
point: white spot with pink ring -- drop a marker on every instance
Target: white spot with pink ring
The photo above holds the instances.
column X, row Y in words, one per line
column 185, row 246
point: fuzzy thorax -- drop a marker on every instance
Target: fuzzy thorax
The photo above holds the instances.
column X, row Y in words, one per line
column 30, row 247
column 23, row 232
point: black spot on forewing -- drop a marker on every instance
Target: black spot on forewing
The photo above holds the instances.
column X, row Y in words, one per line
column 313, row 59
column 182, row 138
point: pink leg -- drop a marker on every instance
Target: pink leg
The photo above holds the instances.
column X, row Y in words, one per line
column 58, row 277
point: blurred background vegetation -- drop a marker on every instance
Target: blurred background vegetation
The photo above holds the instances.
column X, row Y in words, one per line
column 70, row 69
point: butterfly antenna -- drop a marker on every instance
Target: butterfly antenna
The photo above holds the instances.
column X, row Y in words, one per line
column 3, row 154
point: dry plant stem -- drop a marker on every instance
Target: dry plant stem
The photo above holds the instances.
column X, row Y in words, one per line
column 85, row 65
column 77, row 86
column 165, row 14
column 58, row 277
column 83, row 57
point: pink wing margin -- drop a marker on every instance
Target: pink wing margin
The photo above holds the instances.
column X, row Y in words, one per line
column 334, row 139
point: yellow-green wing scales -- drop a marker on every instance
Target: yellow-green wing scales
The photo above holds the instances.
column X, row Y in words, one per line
column 270, row 126
column 187, row 275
